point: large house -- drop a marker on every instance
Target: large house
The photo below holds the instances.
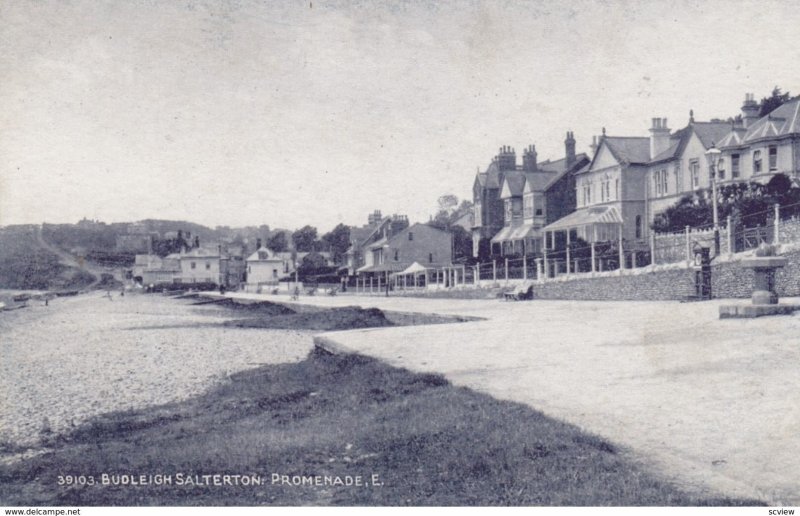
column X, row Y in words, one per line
column 379, row 228
column 428, row 246
column 759, row 148
column 512, row 204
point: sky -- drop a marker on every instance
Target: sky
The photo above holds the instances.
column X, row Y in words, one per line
column 293, row 113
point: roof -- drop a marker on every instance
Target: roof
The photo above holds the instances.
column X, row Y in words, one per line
column 631, row 149
column 560, row 165
column 516, row 183
column 384, row 267
column 782, row 121
column 586, row 217
column 711, row 132
column 263, row 254
column 707, row 132
column 520, row 232
column 201, row 252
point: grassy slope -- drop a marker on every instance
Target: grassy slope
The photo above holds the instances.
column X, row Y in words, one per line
column 25, row 265
column 430, row 443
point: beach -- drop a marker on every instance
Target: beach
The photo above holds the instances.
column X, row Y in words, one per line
column 86, row 355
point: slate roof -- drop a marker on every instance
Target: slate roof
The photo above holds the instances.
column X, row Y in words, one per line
column 516, row 183
column 708, row 132
column 631, row 149
column 782, row 122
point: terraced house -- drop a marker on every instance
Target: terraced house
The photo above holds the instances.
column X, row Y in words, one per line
column 512, row 204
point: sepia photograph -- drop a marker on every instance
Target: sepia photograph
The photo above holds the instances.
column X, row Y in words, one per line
column 399, row 253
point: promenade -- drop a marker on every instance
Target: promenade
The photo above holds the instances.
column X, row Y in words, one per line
column 711, row 404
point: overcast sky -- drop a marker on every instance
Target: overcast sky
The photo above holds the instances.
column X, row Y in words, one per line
column 293, row 113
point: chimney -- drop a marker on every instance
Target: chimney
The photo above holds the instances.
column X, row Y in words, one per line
column 659, row 137
column 506, row 158
column 750, row 109
column 569, row 146
column 258, row 244
column 594, row 145
column 529, row 159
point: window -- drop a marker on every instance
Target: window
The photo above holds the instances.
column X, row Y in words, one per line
column 208, row 266
column 694, row 173
column 660, row 182
column 721, row 169
column 274, row 273
column 430, row 257
column 734, row 166
column 756, row 162
column 508, row 211
column 194, row 265
column 528, row 206
column 539, row 212
column 397, row 255
column 638, row 226
column 410, row 236
column 773, row 157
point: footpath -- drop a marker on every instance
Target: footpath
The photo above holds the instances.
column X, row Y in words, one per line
column 710, row 404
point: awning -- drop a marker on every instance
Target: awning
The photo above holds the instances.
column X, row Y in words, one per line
column 414, row 268
column 502, row 235
column 586, row 217
column 524, row 231
column 383, row 267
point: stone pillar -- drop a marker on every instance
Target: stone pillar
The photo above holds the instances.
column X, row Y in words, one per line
column 494, row 270
column 539, row 275
column 544, row 254
column 633, row 259
column 621, row 251
column 506, row 270
column 593, row 259
column 777, row 235
column 730, row 235
column 688, row 247
column 525, row 267
column 652, row 247
column 476, row 278
column 568, row 252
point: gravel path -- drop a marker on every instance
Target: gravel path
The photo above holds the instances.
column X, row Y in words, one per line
column 82, row 356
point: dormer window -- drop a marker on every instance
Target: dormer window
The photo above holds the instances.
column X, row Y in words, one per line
column 410, row 236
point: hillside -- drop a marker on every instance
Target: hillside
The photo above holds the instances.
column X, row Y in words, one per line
column 25, row 263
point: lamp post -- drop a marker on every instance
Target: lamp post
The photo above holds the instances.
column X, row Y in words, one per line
column 712, row 155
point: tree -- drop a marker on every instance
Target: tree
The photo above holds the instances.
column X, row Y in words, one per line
column 278, row 242
column 447, row 203
column 770, row 104
column 338, row 241
column 304, row 238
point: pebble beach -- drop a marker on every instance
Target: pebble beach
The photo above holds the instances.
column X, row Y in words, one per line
column 78, row 357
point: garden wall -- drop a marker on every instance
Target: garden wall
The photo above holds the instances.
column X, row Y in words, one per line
column 728, row 280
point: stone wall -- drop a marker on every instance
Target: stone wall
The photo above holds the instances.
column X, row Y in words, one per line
column 652, row 286
column 728, row 280
column 789, row 230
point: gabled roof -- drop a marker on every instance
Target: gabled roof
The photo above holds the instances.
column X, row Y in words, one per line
column 711, row 132
column 263, row 254
column 560, row 165
column 513, row 184
column 629, row 149
column 707, row 132
column 783, row 121
column 734, row 138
